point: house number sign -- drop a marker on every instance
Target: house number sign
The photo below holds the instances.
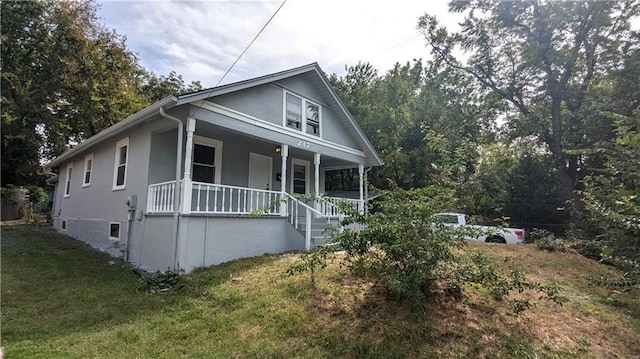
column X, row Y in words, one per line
column 304, row 144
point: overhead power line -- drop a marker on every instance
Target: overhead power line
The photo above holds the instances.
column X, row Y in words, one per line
column 251, row 43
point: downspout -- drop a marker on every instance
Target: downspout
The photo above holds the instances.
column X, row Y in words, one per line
column 366, row 189
column 176, row 194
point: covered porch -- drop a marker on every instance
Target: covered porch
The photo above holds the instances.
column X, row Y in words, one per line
column 224, row 172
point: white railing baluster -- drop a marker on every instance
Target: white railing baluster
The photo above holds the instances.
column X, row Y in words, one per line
column 224, row 191
column 199, row 189
column 245, row 200
column 239, row 195
column 206, row 206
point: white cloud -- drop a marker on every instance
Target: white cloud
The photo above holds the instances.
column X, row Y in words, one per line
column 201, row 39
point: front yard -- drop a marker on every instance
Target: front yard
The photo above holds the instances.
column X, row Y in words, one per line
column 61, row 299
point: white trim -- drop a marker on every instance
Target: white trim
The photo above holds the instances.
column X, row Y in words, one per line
column 307, row 165
column 87, row 158
column 217, row 160
column 214, row 107
column 119, row 231
column 67, row 180
column 270, row 184
column 119, row 145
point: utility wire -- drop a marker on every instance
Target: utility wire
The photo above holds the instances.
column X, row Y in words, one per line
column 245, row 50
column 251, row 43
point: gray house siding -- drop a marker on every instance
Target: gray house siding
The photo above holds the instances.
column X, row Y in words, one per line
column 212, row 240
column 303, row 86
column 89, row 210
column 263, row 102
column 157, row 247
column 162, row 159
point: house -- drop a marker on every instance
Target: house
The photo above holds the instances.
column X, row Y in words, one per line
column 203, row 178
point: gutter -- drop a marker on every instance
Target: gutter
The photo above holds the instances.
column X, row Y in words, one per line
column 176, row 193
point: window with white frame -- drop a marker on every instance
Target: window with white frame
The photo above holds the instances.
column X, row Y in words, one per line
column 67, row 184
column 207, row 160
column 114, row 231
column 302, row 114
column 120, row 167
column 313, row 119
column 294, row 112
column 88, row 165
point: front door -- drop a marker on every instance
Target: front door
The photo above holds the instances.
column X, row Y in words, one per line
column 260, row 168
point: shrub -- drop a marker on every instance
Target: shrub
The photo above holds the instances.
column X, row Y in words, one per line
column 412, row 256
column 161, row 282
column 547, row 241
column 630, row 267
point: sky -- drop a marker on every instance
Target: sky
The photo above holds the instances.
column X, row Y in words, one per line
column 200, row 40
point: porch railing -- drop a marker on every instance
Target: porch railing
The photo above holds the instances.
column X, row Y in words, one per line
column 296, row 210
column 223, row 199
column 160, row 197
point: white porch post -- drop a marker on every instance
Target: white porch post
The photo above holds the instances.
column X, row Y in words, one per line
column 283, row 179
column 361, row 172
column 186, row 185
column 316, row 162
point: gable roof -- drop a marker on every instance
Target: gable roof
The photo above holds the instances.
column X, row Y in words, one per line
column 319, row 79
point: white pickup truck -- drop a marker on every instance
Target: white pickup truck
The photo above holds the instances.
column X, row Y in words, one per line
column 482, row 233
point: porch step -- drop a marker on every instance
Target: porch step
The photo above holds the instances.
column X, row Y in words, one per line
column 320, row 230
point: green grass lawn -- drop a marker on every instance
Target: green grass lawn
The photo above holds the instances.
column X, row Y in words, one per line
column 62, row 299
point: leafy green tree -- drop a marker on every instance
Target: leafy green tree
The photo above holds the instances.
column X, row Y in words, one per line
column 541, row 59
column 65, row 77
column 613, row 191
column 155, row 87
column 421, row 122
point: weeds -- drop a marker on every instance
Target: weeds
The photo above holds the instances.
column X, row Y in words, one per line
column 161, row 282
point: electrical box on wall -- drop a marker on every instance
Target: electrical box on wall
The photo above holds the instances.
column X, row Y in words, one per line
column 132, row 202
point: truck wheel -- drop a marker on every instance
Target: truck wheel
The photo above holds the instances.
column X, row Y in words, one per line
column 495, row 239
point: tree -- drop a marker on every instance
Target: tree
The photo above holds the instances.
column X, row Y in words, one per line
column 422, row 123
column 542, row 59
column 155, row 88
column 65, row 78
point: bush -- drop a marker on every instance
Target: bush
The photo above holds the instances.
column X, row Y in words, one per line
column 414, row 257
column 161, row 282
column 547, row 241
column 630, row 267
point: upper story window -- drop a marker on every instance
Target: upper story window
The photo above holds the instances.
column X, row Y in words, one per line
column 67, row 184
column 294, row 112
column 88, row 166
column 120, row 167
column 207, row 160
column 302, row 115
column 313, row 119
